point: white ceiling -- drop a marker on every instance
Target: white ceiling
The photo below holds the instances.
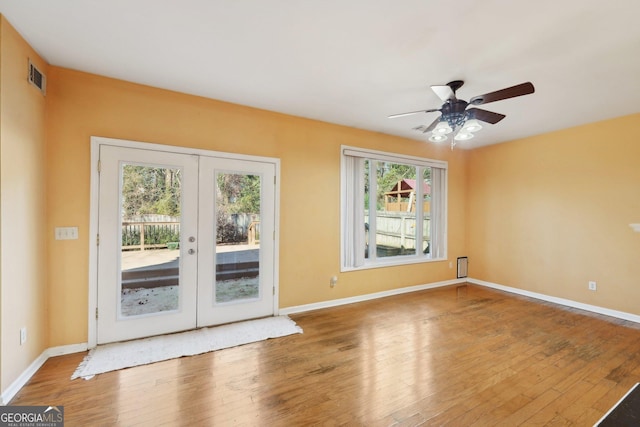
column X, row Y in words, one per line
column 354, row 62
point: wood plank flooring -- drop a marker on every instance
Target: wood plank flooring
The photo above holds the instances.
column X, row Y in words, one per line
column 459, row 356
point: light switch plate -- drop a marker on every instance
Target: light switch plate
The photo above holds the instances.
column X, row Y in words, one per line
column 66, row 233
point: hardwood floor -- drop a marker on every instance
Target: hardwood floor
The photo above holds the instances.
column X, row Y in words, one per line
column 459, row 356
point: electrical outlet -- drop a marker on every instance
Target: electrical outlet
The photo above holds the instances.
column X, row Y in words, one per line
column 592, row 285
column 23, row 335
column 333, row 281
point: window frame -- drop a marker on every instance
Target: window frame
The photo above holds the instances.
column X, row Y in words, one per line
column 352, row 200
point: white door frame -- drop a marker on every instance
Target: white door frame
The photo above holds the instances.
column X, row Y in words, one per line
column 96, row 141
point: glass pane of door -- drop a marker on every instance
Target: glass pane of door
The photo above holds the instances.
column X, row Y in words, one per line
column 237, row 216
column 151, row 200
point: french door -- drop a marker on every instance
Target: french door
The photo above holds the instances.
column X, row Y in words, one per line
column 184, row 241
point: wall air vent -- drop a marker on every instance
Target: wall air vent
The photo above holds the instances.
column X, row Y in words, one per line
column 463, row 266
column 37, row 79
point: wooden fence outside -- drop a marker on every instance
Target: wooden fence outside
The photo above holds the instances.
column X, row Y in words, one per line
column 150, row 235
column 398, row 230
column 143, row 235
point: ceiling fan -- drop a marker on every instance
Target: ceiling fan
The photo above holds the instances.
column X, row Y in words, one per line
column 456, row 114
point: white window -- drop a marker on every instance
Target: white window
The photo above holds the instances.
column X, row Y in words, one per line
column 393, row 209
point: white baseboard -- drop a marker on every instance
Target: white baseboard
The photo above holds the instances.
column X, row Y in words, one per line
column 15, row 387
column 562, row 301
column 366, row 297
column 66, row 349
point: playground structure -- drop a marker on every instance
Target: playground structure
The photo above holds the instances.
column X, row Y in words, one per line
column 402, row 197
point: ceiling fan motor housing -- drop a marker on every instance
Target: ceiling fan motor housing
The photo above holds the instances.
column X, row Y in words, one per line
column 453, row 112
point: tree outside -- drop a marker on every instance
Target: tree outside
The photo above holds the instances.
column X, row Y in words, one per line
column 237, row 205
column 150, row 191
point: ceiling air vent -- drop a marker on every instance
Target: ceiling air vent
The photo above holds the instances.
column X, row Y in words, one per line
column 36, row 78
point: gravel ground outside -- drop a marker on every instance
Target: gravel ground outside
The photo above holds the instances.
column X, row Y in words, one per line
column 152, row 300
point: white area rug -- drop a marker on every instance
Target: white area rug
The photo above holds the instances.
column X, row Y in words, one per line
column 111, row 357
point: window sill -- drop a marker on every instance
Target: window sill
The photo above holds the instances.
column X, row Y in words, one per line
column 391, row 263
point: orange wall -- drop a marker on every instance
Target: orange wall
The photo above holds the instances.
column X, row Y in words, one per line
column 22, row 208
column 549, row 213
column 81, row 105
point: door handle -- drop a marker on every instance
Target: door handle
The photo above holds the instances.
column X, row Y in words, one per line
column 191, row 251
column 192, row 239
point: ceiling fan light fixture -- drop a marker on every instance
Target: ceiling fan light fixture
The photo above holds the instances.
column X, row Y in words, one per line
column 460, row 120
column 437, row 137
column 472, row 126
column 463, row 136
column 442, row 128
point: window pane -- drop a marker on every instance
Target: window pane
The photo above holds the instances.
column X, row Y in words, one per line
column 426, row 226
column 395, row 209
column 367, row 197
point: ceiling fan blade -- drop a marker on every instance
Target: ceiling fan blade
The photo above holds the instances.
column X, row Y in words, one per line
column 444, row 92
column 485, row 116
column 425, row 129
column 393, row 116
column 510, row 92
